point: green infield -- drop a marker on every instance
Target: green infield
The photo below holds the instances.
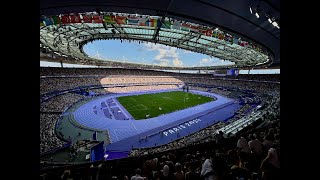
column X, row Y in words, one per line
column 152, row 105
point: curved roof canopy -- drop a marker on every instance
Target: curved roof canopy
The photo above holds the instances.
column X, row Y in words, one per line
column 188, row 25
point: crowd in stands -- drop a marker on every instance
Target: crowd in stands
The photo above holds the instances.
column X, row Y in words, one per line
column 219, row 91
column 54, row 71
column 99, row 91
column 51, row 84
column 253, row 153
column 140, row 88
column 55, row 84
column 139, row 79
column 48, row 138
column 201, row 136
column 59, row 103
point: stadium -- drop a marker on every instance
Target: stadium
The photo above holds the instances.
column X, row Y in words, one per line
column 160, row 90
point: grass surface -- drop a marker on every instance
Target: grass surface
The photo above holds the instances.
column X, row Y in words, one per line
column 152, row 105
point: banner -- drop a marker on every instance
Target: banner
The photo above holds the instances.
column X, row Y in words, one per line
column 75, row 19
column 207, row 32
column 133, row 21
column 97, row 19
column 86, row 19
column 48, row 21
column 65, row 19
column 143, row 22
column 56, row 20
column 121, row 19
column 193, row 28
column 110, row 19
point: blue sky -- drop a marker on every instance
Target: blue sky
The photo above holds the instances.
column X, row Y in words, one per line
column 148, row 53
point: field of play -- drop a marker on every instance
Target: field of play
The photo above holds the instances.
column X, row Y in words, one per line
column 152, row 105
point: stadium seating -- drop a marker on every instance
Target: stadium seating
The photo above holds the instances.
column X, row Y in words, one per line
column 189, row 151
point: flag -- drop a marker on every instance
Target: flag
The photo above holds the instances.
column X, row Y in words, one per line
column 133, row 21
column 159, row 23
column 235, row 40
column 110, row 19
column 221, row 36
column 153, row 22
column 56, row 20
column 97, row 19
column 121, row 19
column 245, row 44
column 65, row 19
column 176, row 25
column 207, row 32
column 75, row 19
column 258, row 49
column 228, row 38
column 241, row 43
column 41, row 22
column 215, row 34
column 251, row 45
column 194, row 28
column 166, row 24
column 185, row 27
column 143, row 22
column 48, row 21
column 254, row 46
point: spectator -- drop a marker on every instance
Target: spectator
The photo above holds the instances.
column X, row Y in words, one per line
column 179, row 175
column 255, row 145
column 270, row 166
column 137, row 176
column 243, row 146
column 206, row 171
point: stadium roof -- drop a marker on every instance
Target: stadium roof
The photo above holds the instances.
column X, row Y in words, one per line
column 260, row 39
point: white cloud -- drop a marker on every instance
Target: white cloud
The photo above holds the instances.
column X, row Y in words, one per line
column 183, row 51
column 214, row 62
column 164, row 63
column 166, row 55
column 177, row 62
column 204, row 60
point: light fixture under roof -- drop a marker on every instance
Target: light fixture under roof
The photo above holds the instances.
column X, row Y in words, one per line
column 275, row 24
column 257, row 15
column 270, row 21
column 250, row 9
